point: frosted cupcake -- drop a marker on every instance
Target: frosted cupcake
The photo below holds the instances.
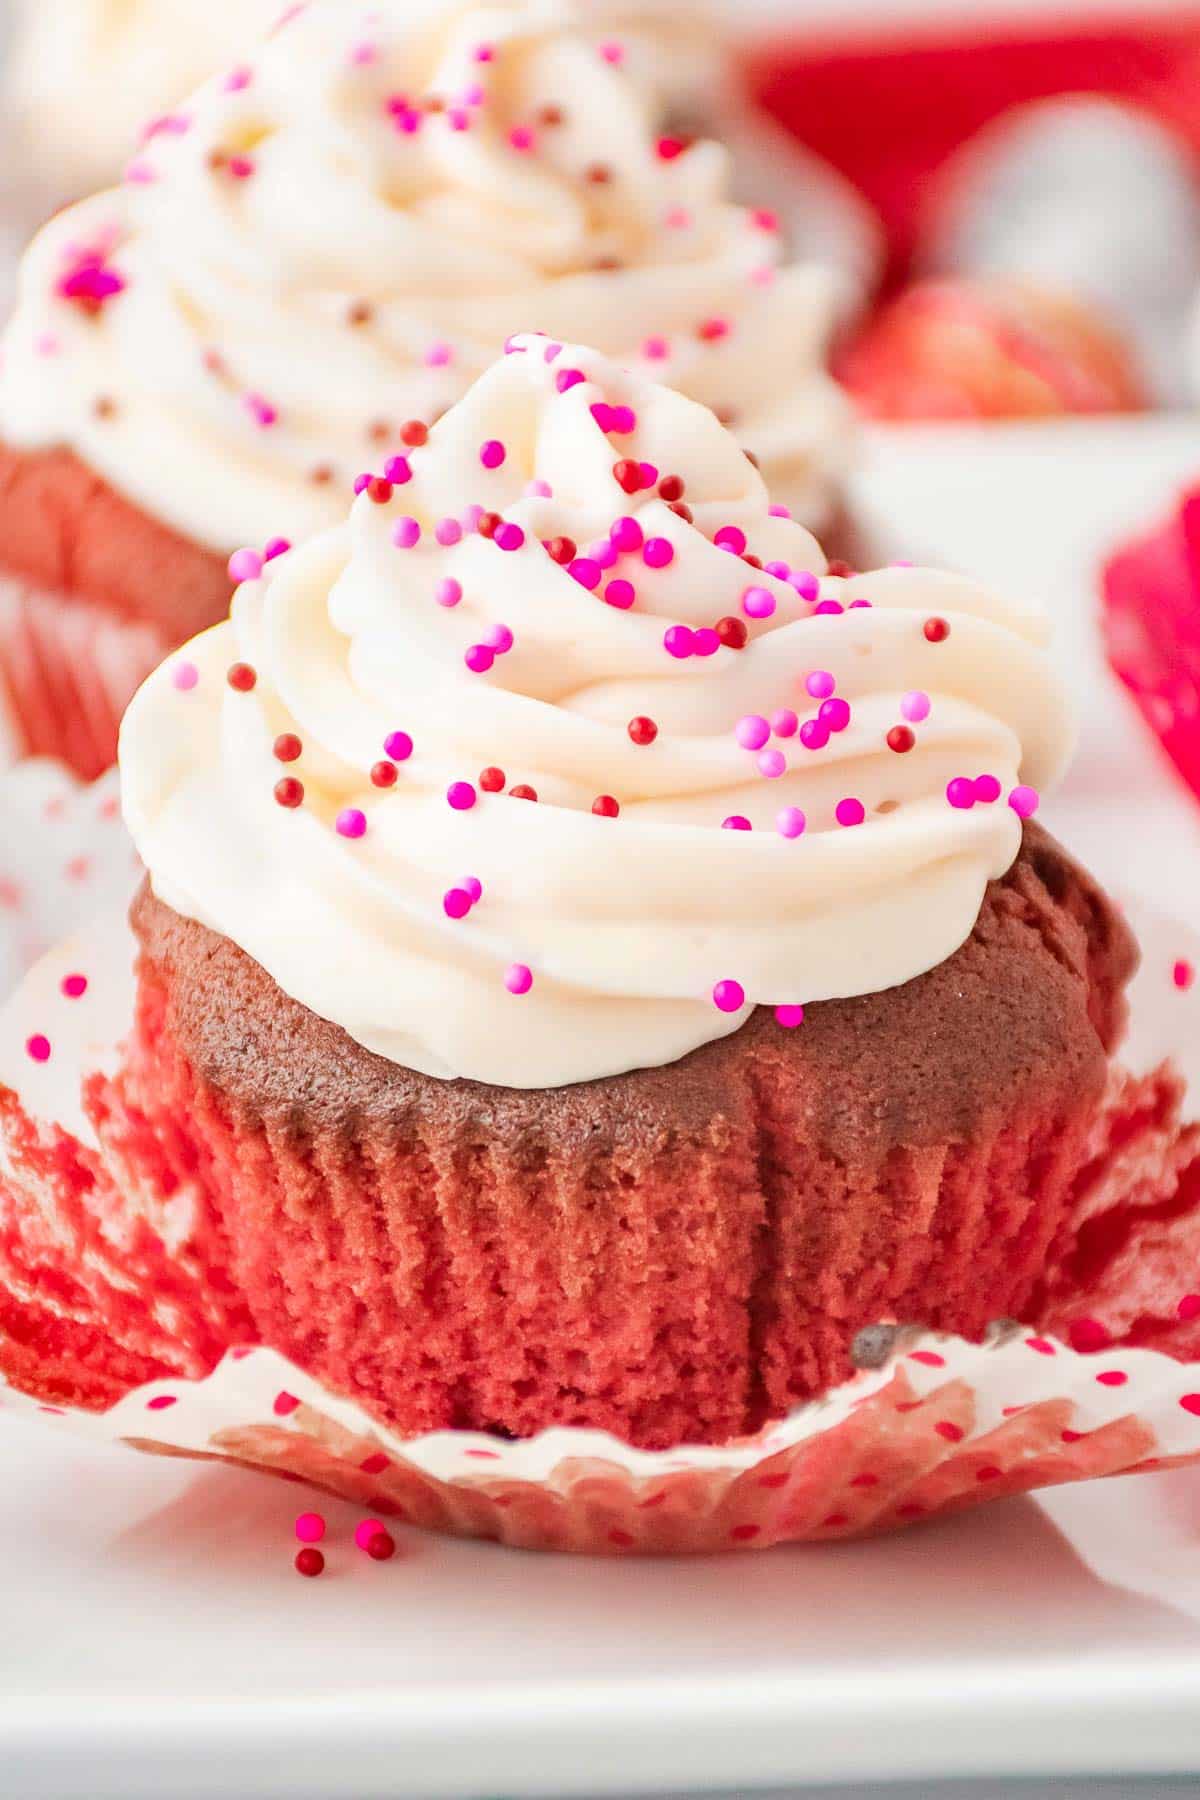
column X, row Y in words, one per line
column 316, row 256
column 595, row 961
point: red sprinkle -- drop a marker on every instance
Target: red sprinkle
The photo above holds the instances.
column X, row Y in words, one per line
column 492, row 780
column 288, row 747
column 289, row 792
column 379, row 490
column 488, row 524
column 606, row 807
column 310, row 1563
column 937, row 630
column 381, row 1547
column 562, row 549
column 671, row 487
column 628, row 475
column 242, row 678
column 522, row 792
column 900, row 739
column 414, row 434
column 384, row 775
column 733, row 633
column 643, row 730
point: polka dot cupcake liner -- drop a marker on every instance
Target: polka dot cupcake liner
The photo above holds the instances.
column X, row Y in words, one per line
column 121, row 1338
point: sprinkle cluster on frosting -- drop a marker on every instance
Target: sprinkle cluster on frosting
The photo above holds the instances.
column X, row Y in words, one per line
column 323, row 248
column 567, row 643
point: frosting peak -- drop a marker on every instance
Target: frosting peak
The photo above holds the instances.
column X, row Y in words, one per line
column 333, row 237
column 567, row 748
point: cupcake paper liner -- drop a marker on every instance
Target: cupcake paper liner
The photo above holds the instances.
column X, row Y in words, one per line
column 68, row 670
column 940, row 1425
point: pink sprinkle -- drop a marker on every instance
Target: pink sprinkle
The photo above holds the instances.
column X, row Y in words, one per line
column 366, row 1530
column 406, row 534
column 310, row 1528
column 473, row 888
column 492, row 454
column 352, row 823
column 1024, row 801
column 586, row 572
column 779, row 512
column 627, row 535
column 850, row 812
column 448, row 591
column 461, row 796
column 241, row 167
column 76, row 986
column 658, row 553
column 245, row 565
column 458, row 118
column 961, row 793
column 679, row 641
column 791, row 822
column 498, row 638
column 521, row 137
column 237, row 80
column 438, row 355
column 484, row 53
column 456, row 903
column 621, row 594
column 820, row 684
column 736, row 822
column 537, row 489
column 752, row 731
column 519, row 979
column 448, row 532
column 656, row 349
column 398, row 745
column 613, row 53
column 398, row 470
column 789, row 1016
column 1183, row 974
column 729, row 996
column 784, row 723
column 758, row 603
column 915, row 707
column 508, row 536
column 276, row 547
column 987, row 789
column 603, row 552
column 731, row 537
column 38, row 1048
column 677, row 218
column 706, row 642
column 780, row 570
column 805, row 584
column 772, row 764
column 479, row 659
column 185, row 676
column 261, row 411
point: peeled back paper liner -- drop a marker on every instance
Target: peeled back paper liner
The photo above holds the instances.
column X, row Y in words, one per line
column 941, row 1425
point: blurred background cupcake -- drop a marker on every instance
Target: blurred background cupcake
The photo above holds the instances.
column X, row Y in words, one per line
column 307, row 263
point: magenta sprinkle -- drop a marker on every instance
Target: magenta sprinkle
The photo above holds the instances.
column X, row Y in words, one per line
column 438, row 356
column 780, row 570
column 850, row 812
column 772, row 764
column 276, row 546
column 658, row 553
column 261, row 411
column 498, row 638
column 915, row 707
column 752, row 731
column 352, row 823
column 814, row 735
column 961, row 793
column 791, row 822
column 1024, row 801
column 448, row 532
column 621, row 594
column 806, row 585
column 758, row 603
column 37, row 1048
column 479, row 659
column 74, row 986
column 397, row 470
column 789, row 1016
column 820, row 684
column 310, row 1528
column 705, row 642
column 362, row 483
column 448, row 591
column 729, row 996
column 508, row 536
column 245, row 565
column 586, row 572
column 456, row 903
column 398, row 745
column 987, row 789
column 492, row 454
column 406, row 534
column 730, row 537
column 736, row 822
column 779, row 512
column 828, row 607
column 519, row 979
column 649, row 474
column 623, row 420
column 835, row 714
column 366, row 1530
column 566, row 379
column 784, row 723
column 603, row 552
column 461, row 796
column 679, row 641
column 473, row 888
column 627, row 535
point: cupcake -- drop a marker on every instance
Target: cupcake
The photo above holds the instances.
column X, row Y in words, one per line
column 313, row 259
column 596, row 962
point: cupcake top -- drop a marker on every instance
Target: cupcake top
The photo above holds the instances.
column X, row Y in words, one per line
column 568, row 749
column 317, row 254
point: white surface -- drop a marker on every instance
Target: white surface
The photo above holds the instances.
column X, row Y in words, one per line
column 155, row 1642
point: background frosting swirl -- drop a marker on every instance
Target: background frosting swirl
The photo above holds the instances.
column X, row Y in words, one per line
column 626, row 923
column 334, row 238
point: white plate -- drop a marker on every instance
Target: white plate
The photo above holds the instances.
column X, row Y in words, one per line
column 154, row 1640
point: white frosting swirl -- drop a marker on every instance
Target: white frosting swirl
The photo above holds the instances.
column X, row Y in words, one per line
column 627, row 923
column 306, row 258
